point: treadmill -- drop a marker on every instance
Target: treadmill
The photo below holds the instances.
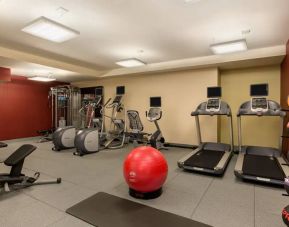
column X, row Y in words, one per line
column 255, row 163
column 210, row 157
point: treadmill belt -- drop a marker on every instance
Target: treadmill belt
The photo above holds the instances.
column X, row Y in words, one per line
column 208, row 159
column 105, row 210
column 262, row 166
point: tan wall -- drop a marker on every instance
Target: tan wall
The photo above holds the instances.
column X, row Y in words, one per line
column 181, row 92
column 235, row 86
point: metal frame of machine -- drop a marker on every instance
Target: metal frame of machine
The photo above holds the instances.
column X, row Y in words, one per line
column 213, row 107
column 261, row 164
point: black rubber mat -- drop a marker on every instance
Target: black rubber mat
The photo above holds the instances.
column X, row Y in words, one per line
column 262, row 166
column 105, row 210
column 205, row 159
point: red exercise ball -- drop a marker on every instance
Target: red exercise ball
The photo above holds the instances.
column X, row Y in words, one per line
column 285, row 215
column 145, row 169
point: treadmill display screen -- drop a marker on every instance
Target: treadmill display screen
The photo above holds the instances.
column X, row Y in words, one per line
column 155, row 101
column 214, row 92
column 259, row 90
column 120, row 90
column 98, row 91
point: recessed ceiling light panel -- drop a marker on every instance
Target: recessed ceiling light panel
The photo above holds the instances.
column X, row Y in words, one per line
column 50, row 30
column 41, row 78
column 229, row 47
column 132, row 62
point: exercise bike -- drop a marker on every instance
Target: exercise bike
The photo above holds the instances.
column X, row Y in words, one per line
column 136, row 134
column 154, row 115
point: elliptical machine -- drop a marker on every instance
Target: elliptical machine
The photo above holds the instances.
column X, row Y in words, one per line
column 116, row 135
column 154, row 115
column 65, row 104
column 92, row 140
column 63, row 138
column 87, row 140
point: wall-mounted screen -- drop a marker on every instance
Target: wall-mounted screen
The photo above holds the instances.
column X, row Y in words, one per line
column 259, row 90
column 155, row 101
column 214, row 92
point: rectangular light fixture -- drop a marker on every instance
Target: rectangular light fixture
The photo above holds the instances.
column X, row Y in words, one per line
column 192, row 1
column 132, row 62
column 41, row 78
column 229, row 47
column 50, row 30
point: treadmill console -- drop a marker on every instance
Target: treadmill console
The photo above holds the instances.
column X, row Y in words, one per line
column 213, row 105
column 258, row 101
column 214, row 102
column 154, row 114
column 259, row 104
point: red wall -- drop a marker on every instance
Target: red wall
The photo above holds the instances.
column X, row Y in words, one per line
column 24, row 108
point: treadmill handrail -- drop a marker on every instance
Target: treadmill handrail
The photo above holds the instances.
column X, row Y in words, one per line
column 201, row 110
column 224, row 110
column 274, row 109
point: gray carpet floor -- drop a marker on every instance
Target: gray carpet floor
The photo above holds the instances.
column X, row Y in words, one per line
column 220, row 202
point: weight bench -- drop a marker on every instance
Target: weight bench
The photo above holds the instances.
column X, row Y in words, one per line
column 46, row 135
column 3, row 145
column 136, row 134
column 15, row 179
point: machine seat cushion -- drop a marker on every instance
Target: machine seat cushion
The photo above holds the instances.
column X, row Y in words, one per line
column 134, row 120
column 20, row 154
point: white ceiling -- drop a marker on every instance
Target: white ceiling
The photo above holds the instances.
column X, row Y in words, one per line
column 165, row 30
column 20, row 68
